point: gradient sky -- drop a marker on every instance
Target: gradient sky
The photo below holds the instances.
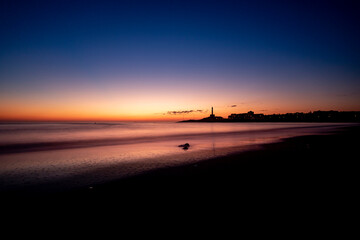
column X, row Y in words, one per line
column 141, row 60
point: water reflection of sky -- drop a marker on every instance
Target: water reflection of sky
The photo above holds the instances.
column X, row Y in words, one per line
column 84, row 166
column 29, row 133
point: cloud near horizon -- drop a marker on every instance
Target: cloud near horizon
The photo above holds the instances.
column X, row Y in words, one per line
column 185, row 112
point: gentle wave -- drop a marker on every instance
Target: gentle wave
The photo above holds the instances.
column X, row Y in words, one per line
column 58, row 145
column 32, row 127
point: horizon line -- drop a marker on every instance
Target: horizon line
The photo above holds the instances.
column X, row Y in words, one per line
column 19, row 120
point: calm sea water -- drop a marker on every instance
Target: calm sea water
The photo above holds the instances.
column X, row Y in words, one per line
column 59, row 156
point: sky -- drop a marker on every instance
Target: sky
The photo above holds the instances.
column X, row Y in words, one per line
column 171, row 60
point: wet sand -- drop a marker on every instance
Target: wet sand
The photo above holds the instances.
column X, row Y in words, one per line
column 300, row 173
column 309, row 172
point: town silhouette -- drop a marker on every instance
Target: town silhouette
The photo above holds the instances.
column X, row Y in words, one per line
column 316, row 116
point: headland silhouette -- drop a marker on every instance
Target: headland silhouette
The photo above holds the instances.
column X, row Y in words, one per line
column 316, row 116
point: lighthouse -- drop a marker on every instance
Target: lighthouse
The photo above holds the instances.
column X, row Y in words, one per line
column 212, row 117
column 212, row 113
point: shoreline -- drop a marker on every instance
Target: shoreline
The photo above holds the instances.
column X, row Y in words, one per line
column 303, row 171
column 24, row 147
column 312, row 164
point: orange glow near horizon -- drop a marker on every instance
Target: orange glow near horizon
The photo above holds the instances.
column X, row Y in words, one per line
column 145, row 102
column 169, row 61
column 147, row 110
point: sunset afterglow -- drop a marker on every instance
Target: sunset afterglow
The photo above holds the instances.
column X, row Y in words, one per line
column 190, row 107
column 169, row 60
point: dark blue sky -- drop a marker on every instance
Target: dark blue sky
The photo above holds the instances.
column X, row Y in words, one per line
column 287, row 45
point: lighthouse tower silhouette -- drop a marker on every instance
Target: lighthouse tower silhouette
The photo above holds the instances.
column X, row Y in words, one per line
column 212, row 113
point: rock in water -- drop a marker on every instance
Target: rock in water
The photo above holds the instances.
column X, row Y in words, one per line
column 185, row 146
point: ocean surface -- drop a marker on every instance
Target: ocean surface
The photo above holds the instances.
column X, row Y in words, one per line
column 61, row 156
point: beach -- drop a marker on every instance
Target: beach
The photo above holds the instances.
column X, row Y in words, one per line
column 298, row 167
column 300, row 173
column 190, row 114
column 299, row 185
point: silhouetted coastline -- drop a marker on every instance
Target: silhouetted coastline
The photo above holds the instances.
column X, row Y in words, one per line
column 316, row 116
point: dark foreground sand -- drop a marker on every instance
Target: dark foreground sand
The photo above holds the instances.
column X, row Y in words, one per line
column 309, row 176
column 306, row 164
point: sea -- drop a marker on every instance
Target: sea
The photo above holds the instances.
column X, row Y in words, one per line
column 58, row 156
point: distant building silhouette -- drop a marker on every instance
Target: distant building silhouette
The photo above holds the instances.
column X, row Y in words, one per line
column 246, row 116
column 316, row 116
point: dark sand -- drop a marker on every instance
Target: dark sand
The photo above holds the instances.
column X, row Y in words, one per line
column 296, row 165
column 303, row 176
column 308, row 168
